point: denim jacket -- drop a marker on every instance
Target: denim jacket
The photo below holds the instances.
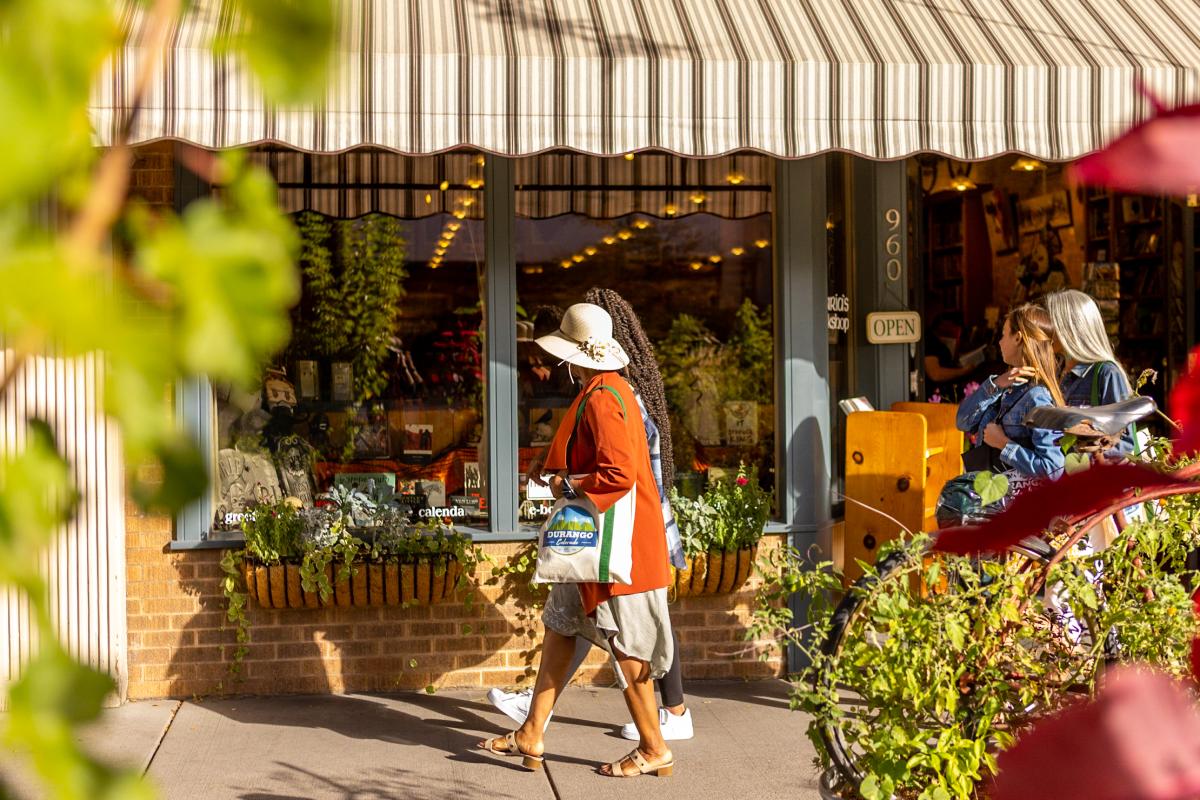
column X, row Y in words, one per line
column 1110, row 388
column 1033, row 452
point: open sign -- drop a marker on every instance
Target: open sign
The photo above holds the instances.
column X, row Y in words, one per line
column 893, row 327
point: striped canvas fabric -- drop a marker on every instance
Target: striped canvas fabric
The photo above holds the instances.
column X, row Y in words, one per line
column 351, row 184
column 882, row 78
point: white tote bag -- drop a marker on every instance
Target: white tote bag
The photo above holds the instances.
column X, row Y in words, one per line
column 578, row 543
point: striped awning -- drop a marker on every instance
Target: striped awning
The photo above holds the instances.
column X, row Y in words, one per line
column 882, row 78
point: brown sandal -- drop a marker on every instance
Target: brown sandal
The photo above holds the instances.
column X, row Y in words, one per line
column 617, row 769
column 528, row 760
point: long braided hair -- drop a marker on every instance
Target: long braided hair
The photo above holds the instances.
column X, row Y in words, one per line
column 642, row 371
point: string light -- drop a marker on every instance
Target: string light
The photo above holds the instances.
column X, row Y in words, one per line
column 629, row 156
column 591, row 251
column 565, row 263
column 696, row 266
column 735, row 178
column 475, row 183
column 577, row 258
column 716, row 259
column 624, row 235
column 669, row 209
column 737, row 251
column 428, row 199
column 460, row 214
column 609, row 240
column 454, row 226
column 641, row 224
column 468, row 202
column 444, row 185
column 480, row 160
column 698, row 198
column 761, row 243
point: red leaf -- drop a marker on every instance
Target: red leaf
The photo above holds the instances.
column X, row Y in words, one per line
column 1157, row 156
column 1036, row 509
column 1139, row 739
column 1183, row 405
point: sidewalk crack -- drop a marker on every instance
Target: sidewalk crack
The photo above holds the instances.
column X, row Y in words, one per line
column 162, row 736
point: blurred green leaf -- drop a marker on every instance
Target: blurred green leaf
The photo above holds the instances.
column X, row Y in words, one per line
column 50, row 54
column 990, row 487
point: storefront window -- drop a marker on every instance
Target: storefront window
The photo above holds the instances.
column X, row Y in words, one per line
column 688, row 244
column 381, row 386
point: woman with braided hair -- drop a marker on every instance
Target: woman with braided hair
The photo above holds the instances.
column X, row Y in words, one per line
column 642, row 373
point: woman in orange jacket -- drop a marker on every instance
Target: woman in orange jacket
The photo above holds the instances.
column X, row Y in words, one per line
column 631, row 621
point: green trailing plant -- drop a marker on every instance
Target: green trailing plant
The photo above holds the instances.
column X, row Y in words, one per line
column 751, row 354
column 236, row 599
column 353, row 283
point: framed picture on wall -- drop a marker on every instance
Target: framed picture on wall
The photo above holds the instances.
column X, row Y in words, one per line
column 1051, row 210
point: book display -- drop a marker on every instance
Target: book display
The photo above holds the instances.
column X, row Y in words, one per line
column 958, row 258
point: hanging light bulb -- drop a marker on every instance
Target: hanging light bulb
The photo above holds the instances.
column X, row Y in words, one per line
column 698, row 198
column 1024, row 164
column 735, row 178
column 737, row 251
column 696, row 266
column 609, row 240
column 641, row 224
column 714, row 258
column 591, row 251
column 761, row 243
column 670, row 210
column 444, row 185
column 624, row 235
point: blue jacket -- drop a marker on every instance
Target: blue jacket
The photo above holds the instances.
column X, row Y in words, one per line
column 1033, row 452
column 1110, row 388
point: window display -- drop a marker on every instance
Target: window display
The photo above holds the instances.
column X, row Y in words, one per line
column 688, row 245
column 381, row 387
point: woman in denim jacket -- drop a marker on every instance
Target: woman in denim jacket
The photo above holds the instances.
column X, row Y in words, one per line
column 994, row 414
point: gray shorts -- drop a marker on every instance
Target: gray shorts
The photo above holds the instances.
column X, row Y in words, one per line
column 637, row 625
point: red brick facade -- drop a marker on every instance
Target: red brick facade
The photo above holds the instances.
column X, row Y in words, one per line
column 180, row 643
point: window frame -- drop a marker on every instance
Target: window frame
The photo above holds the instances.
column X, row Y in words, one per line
column 799, row 272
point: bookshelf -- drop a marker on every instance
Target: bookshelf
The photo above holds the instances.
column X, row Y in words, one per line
column 958, row 260
column 1134, row 267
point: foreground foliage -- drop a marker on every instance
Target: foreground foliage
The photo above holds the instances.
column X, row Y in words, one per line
column 203, row 292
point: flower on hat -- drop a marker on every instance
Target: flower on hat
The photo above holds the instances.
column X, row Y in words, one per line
column 596, row 348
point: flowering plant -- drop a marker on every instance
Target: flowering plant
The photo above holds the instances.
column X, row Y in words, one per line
column 729, row 516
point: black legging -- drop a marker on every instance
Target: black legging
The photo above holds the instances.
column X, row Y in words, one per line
column 670, row 686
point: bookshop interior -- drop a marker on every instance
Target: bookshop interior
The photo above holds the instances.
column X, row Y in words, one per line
column 1009, row 230
column 382, row 386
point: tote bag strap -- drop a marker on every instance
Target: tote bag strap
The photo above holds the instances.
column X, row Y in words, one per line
column 579, row 415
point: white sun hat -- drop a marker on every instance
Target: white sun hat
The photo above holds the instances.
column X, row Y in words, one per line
column 584, row 338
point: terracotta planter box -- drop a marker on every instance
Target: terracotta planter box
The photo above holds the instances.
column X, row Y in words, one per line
column 375, row 578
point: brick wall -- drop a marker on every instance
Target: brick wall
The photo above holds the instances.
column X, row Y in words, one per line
column 180, row 643
column 152, row 176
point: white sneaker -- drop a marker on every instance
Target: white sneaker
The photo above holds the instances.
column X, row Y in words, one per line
column 514, row 704
column 674, row 727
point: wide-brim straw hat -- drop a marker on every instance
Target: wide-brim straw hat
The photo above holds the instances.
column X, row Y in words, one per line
column 584, row 338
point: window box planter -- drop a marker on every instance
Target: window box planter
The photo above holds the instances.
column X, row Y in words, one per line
column 715, row 572
column 373, row 583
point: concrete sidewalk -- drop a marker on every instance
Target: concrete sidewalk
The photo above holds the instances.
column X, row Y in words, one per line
column 418, row 746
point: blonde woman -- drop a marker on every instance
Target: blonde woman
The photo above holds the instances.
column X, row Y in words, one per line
column 995, row 413
column 1091, row 375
